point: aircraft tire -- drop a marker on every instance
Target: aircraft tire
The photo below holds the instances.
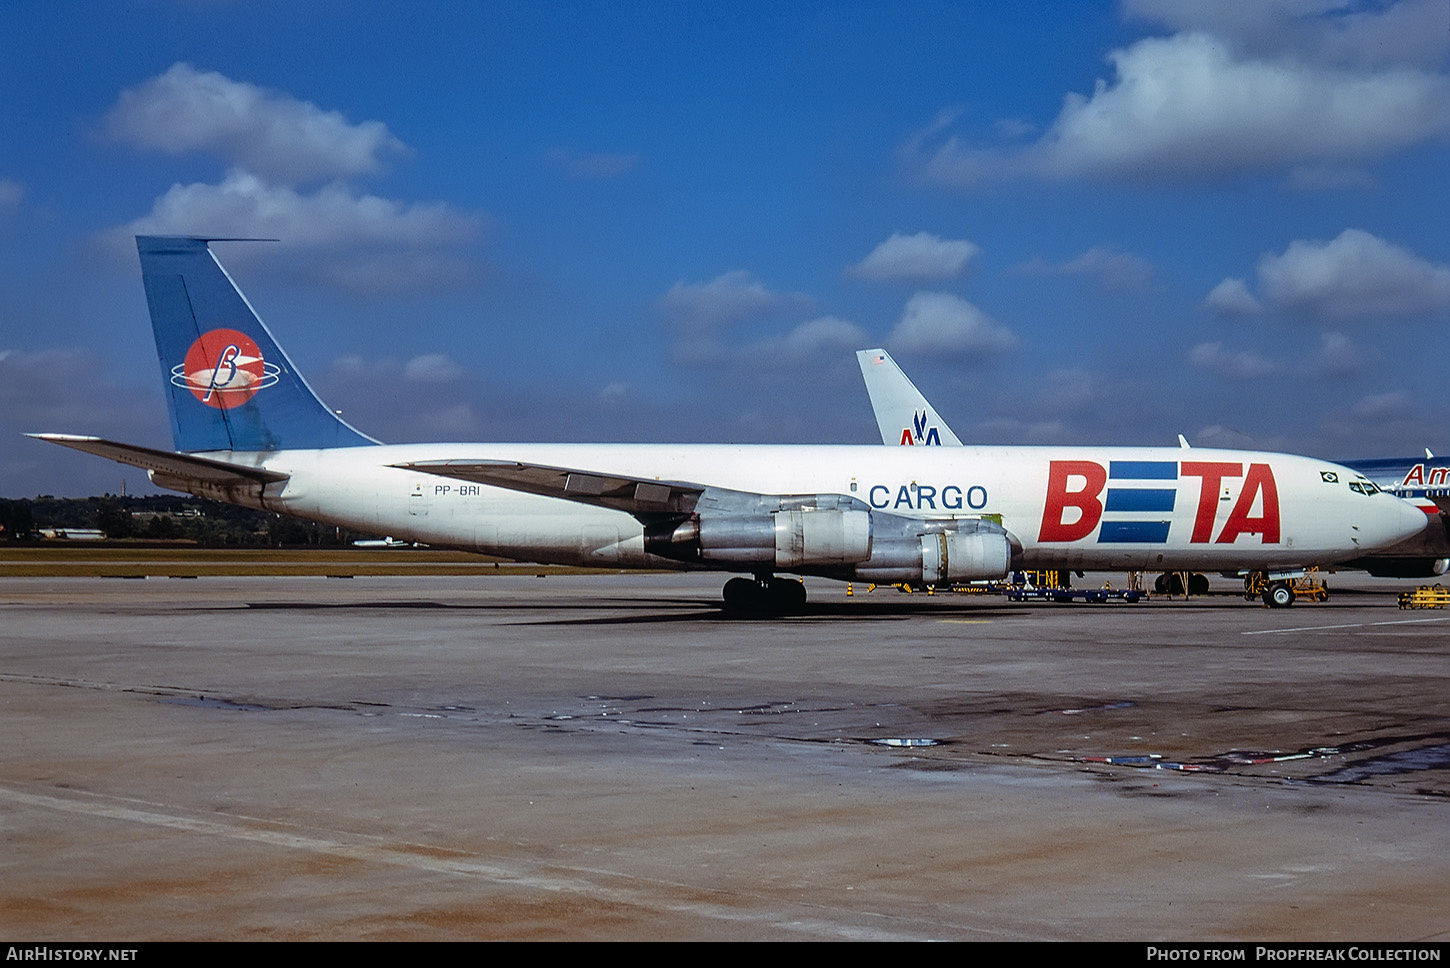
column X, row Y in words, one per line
column 773, row 596
column 1197, row 584
column 1170, row 583
column 787, row 595
column 741, row 595
column 1279, row 595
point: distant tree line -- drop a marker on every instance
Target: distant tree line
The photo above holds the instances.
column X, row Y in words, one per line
column 165, row 518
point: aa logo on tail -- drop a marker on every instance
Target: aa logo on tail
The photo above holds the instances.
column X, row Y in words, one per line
column 224, row 369
column 919, row 432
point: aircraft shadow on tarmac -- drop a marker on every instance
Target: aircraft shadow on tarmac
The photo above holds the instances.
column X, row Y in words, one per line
column 669, row 611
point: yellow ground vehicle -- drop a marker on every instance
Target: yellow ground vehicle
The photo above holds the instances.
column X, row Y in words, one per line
column 1426, row 596
column 1283, row 592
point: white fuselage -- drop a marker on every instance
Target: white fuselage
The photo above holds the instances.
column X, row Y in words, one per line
column 1064, row 507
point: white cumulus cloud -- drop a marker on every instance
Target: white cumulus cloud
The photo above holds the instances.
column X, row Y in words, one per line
column 431, row 368
column 826, row 333
column 1189, row 106
column 1115, row 271
column 269, row 132
column 947, row 325
column 825, row 337
column 919, row 256
column 1368, row 33
column 1238, row 364
column 1355, row 276
column 1338, row 356
column 244, row 204
column 352, row 239
column 729, row 296
column 1232, row 298
column 696, row 312
column 1384, row 406
column 288, row 164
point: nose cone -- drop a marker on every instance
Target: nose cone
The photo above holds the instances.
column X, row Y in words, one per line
column 1398, row 521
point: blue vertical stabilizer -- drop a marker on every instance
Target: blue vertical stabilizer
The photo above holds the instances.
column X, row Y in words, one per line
column 229, row 385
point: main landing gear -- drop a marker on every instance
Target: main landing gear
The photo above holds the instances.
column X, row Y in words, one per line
column 764, row 595
column 1177, row 582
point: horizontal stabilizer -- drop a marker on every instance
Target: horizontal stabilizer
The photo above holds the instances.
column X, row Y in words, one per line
column 636, row 495
column 184, row 467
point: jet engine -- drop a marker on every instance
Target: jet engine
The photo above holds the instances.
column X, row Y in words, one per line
column 1388, row 567
column 943, row 556
column 833, row 535
column 786, row 539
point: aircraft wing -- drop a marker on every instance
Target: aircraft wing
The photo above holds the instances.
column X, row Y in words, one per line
column 169, row 464
column 635, row 495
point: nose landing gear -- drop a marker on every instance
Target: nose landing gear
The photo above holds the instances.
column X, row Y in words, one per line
column 764, row 595
column 1279, row 595
column 1285, row 588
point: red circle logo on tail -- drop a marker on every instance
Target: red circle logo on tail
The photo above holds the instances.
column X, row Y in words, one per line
column 224, row 369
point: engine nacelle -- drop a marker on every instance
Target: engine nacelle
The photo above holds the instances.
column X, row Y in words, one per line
column 937, row 558
column 952, row 556
column 811, row 538
column 822, row 537
column 829, row 534
column 1402, row 567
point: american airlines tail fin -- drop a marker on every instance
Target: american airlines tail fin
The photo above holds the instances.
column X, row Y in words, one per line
column 902, row 412
column 229, row 385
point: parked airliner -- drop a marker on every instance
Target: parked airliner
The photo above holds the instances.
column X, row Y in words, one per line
column 249, row 430
column 1425, row 483
column 905, row 417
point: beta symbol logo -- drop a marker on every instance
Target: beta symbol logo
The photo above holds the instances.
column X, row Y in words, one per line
column 224, row 368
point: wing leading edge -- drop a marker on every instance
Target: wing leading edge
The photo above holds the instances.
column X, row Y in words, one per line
column 634, row 495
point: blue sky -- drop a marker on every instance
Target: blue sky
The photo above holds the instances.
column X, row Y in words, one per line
column 1069, row 222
